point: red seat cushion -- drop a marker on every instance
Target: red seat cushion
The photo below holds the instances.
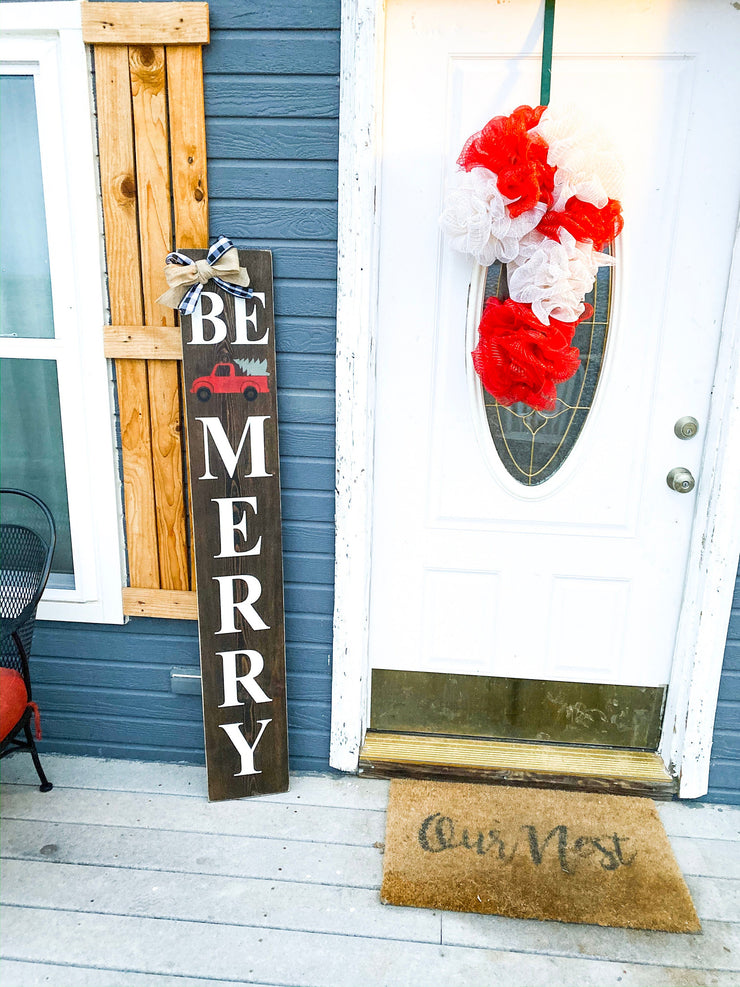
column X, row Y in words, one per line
column 13, row 700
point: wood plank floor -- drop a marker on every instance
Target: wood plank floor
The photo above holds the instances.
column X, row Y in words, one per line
column 125, row 876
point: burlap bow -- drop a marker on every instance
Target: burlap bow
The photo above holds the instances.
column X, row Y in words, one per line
column 186, row 277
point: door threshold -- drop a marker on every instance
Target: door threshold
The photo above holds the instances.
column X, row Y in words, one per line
column 589, row 769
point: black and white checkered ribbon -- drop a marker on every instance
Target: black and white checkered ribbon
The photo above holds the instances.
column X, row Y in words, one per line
column 215, row 252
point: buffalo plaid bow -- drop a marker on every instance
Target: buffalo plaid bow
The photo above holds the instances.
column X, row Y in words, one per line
column 221, row 265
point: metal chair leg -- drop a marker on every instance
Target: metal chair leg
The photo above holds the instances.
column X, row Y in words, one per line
column 46, row 785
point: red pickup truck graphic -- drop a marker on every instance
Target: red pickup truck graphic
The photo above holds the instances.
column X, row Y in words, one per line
column 225, row 378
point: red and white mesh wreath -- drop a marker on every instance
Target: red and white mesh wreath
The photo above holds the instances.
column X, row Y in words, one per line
column 537, row 190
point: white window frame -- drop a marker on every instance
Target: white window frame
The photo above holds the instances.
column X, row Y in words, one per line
column 45, row 40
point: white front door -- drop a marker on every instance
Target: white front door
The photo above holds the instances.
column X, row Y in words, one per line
column 578, row 579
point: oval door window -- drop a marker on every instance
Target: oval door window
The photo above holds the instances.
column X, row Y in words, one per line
column 533, row 444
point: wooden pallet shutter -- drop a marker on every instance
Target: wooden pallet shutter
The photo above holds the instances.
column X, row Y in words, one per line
column 151, row 134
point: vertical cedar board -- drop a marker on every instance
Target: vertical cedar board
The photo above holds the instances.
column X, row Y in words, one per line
column 271, row 756
column 189, row 171
column 188, row 145
column 149, row 96
column 119, row 193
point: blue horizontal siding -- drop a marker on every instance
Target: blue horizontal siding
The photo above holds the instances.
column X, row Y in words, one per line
column 308, row 751
column 310, row 259
column 306, row 180
column 724, row 746
column 309, row 599
column 729, row 689
column 301, row 297
column 164, row 740
column 297, row 220
column 251, row 14
column 306, row 440
column 308, row 505
column 306, row 405
column 309, row 96
column 287, row 139
column 155, row 708
column 106, row 690
column 308, row 536
column 300, row 473
column 727, row 717
column 308, row 628
column 282, row 52
column 306, row 335
column 300, row 370
column 732, row 649
column 94, row 652
column 311, row 569
column 724, row 771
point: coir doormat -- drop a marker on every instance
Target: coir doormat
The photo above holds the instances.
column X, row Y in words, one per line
column 532, row 853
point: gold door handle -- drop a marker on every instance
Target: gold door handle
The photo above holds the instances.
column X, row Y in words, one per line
column 680, row 480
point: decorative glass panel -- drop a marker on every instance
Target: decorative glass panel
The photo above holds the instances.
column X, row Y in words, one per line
column 31, row 450
column 25, row 284
column 531, row 444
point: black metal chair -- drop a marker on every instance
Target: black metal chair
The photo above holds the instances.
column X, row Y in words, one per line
column 27, row 539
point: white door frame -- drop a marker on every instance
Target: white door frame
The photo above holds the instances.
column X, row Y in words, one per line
column 715, row 541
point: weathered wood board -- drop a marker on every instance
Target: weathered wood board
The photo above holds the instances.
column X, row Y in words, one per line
column 231, row 410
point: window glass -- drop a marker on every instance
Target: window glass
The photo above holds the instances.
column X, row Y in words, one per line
column 532, row 444
column 25, row 284
column 31, row 449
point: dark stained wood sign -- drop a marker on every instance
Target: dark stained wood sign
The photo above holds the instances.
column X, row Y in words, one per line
column 231, row 401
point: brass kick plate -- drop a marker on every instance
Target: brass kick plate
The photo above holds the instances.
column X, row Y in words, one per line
column 516, row 709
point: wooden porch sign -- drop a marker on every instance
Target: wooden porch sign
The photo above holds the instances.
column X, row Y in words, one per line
column 231, row 404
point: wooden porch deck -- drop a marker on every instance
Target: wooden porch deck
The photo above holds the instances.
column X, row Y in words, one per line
column 124, row 875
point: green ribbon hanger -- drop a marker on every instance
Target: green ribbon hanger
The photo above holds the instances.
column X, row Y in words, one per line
column 547, row 53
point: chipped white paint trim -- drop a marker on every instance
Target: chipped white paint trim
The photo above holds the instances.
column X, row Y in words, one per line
column 362, row 36
column 688, row 723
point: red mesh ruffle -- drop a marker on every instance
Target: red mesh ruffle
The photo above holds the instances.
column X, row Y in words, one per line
column 506, row 147
column 585, row 222
column 519, row 359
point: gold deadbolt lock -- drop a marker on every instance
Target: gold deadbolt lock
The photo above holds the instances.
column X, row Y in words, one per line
column 686, row 427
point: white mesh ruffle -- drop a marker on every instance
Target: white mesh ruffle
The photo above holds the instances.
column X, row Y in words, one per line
column 586, row 161
column 477, row 221
column 554, row 277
